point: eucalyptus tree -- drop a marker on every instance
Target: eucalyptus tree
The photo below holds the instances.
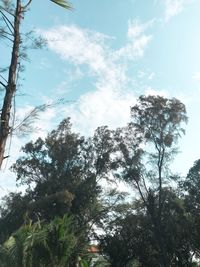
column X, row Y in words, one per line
column 61, row 174
column 12, row 12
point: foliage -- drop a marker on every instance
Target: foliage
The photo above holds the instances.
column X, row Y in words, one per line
column 62, row 3
column 62, row 174
column 191, row 194
column 133, row 235
column 40, row 244
column 65, row 175
column 146, row 147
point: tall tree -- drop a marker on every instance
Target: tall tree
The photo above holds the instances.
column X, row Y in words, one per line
column 12, row 13
column 147, row 146
column 61, row 174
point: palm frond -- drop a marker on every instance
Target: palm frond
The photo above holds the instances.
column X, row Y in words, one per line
column 62, row 3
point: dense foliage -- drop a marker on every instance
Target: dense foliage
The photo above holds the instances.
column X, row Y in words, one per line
column 67, row 203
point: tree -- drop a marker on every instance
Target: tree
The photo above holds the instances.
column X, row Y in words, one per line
column 61, row 174
column 63, row 161
column 12, row 13
column 146, row 147
column 189, row 188
column 133, row 236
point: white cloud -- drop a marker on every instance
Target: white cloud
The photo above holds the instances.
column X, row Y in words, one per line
column 101, row 107
column 151, row 76
column 174, row 7
column 146, row 75
column 135, row 48
column 85, row 47
column 196, row 76
column 150, row 91
column 79, row 46
column 110, row 102
column 137, row 40
column 136, row 28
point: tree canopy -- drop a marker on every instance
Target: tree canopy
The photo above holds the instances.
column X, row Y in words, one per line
column 68, row 205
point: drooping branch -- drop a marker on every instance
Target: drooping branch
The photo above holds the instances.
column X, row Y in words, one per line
column 7, row 11
column 8, row 22
column 6, row 37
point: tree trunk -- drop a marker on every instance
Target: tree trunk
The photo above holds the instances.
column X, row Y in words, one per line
column 158, row 233
column 163, row 254
column 11, row 85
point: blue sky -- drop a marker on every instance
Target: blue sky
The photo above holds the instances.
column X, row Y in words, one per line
column 102, row 55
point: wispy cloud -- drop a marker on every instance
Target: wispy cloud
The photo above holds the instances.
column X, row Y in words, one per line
column 101, row 107
column 174, row 7
column 137, row 40
column 109, row 103
column 85, row 47
column 80, row 47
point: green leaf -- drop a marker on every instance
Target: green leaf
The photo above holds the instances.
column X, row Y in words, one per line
column 84, row 263
column 62, row 3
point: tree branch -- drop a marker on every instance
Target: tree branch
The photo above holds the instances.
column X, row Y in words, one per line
column 6, row 37
column 3, row 84
column 7, row 11
column 3, row 78
column 25, row 7
column 7, row 21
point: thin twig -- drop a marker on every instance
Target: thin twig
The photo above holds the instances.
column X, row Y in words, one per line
column 24, row 7
column 6, row 37
column 7, row 11
column 11, row 32
column 8, row 33
column 6, row 19
column 3, row 84
column 3, row 78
